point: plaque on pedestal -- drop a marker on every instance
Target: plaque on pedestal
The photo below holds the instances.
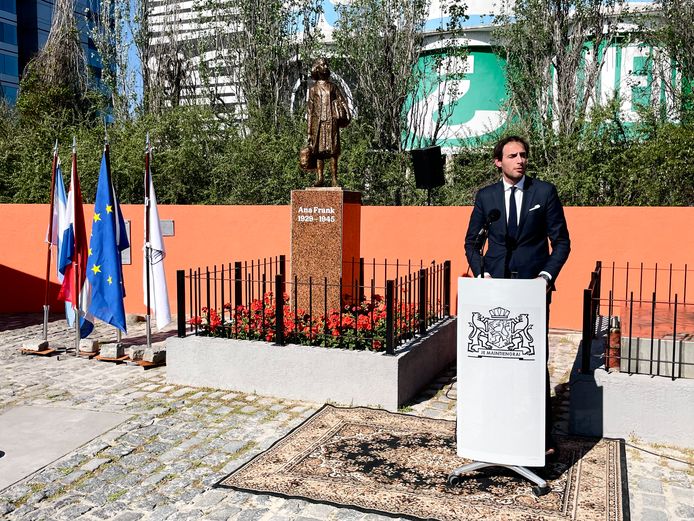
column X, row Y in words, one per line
column 325, row 246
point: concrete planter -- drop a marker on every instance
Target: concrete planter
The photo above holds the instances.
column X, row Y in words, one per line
column 314, row 374
column 661, row 363
column 619, row 405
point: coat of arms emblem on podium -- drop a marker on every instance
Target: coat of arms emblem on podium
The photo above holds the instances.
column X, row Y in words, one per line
column 501, row 336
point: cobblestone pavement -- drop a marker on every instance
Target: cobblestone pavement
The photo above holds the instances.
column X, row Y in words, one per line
column 161, row 464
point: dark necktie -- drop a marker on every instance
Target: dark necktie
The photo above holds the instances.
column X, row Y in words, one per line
column 512, row 225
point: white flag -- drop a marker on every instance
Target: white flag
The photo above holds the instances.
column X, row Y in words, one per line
column 158, row 293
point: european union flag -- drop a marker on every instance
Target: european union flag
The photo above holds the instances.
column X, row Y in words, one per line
column 104, row 270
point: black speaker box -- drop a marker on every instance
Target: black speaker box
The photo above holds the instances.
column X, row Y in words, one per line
column 428, row 167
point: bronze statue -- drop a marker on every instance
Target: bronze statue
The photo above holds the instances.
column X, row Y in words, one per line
column 327, row 113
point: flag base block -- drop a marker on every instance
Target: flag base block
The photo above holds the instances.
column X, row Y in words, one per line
column 112, row 351
column 136, row 352
column 154, row 356
column 87, row 345
column 35, row 344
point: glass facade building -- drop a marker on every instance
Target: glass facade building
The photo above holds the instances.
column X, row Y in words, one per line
column 9, row 51
column 24, row 29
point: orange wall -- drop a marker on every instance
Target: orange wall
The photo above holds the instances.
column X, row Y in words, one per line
column 207, row 235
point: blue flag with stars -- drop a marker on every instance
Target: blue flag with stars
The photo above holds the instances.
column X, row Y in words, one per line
column 108, row 240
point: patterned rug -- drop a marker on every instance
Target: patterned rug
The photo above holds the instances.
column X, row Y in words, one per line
column 397, row 464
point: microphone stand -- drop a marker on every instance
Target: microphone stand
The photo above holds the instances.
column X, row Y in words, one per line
column 480, row 242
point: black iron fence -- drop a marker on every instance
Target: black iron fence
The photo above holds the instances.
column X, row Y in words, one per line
column 388, row 303
column 645, row 319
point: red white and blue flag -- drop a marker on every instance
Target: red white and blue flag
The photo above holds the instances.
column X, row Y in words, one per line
column 72, row 250
column 58, row 229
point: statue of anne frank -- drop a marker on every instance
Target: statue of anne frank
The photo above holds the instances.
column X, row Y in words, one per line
column 328, row 112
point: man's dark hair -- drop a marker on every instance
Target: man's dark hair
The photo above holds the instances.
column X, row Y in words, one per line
column 499, row 147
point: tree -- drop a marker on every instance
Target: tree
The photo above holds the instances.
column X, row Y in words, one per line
column 380, row 41
column 61, row 63
column 260, row 49
column 110, row 36
column 667, row 27
column 554, row 53
column 164, row 44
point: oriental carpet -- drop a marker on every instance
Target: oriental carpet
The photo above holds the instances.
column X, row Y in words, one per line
column 397, row 464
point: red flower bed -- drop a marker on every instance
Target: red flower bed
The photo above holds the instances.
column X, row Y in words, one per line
column 353, row 327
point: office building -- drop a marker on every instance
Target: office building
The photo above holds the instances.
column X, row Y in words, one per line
column 9, row 51
column 24, row 29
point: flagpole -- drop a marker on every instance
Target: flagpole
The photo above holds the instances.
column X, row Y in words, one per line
column 46, row 305
column 148, row 257
column 76, row 298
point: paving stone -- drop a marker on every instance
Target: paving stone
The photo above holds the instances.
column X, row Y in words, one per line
column 36, row 497
column 113, row 472
column 155, row 478
column 223, row 513
column 654, row 501
column 653, row 515
column 348, row 515
column 72, row 477
column 253, row 514
column 650, row 485
column 22, row 511
column 75, row 511
column 683, row 495
column 319, row 511
column 94, row 464
column 233, row 446
column 161, row 513
column 685, row 511
column 210, row 498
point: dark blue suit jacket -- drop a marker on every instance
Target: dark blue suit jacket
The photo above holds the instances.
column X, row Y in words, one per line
column 541, row 218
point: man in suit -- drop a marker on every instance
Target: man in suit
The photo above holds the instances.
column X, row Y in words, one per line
column 524, row 217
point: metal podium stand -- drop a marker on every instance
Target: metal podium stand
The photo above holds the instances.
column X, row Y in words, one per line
column 540, row 489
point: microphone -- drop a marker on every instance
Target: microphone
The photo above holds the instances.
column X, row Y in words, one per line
column 492, row 216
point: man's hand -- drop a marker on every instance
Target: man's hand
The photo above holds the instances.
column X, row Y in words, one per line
column 548, row 281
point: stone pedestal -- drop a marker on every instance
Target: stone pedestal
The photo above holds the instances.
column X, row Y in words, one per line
column 135, row 352
column 112, row 351
column 88, row 345
column 35, row 344
column 325, row 237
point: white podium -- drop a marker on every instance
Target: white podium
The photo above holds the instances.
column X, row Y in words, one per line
column 501, row 376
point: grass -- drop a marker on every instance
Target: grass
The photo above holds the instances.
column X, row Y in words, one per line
column 116, row 495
